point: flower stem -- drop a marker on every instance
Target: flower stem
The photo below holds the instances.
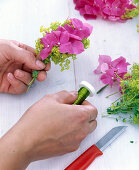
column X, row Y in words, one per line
column 35, row 73
column 113, row 94
column 102, row 88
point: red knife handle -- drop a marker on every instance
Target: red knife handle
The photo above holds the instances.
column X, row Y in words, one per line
column 83, row 161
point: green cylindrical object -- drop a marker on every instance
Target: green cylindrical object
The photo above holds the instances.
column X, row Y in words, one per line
column 83, row 93
column 85, row 90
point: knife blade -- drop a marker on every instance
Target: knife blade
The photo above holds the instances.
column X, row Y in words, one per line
column 84, row 160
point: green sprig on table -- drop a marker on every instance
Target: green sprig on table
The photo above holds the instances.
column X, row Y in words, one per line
column 128, row 103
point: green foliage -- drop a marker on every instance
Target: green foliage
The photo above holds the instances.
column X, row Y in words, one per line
column 128, row 103
column 59, row 58
column 131, row 13
column 86, row 43
column 63, row 59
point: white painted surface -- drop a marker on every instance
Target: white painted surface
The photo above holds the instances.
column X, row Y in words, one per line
column 21, row 20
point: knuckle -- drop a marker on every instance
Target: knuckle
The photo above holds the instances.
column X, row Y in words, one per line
column 95, row 123
column 83, row 116
column 94, row 110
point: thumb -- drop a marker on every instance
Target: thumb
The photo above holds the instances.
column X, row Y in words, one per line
column 27, row 58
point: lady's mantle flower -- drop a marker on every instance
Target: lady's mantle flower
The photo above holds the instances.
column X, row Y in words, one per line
column 111, row 70
column 108, row 9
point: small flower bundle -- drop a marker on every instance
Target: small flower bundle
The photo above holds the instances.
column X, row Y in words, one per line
column 112, row 10
column 128, row 103
column 61, row 41
column 111, row 71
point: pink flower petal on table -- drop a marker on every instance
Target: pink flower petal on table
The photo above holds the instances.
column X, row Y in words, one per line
column 104, row 67
column 108, row 77
column 102, row 59
column 88, row 17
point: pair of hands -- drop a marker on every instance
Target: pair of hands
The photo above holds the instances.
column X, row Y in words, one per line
column 17, row 61
column 50, row 127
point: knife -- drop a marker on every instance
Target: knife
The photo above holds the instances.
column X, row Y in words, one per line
column 84, row 160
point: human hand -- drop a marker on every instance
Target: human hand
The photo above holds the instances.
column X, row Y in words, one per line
column 50, row 127
column 17, row 61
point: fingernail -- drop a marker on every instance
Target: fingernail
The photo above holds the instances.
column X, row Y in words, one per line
column 19, row 73
column 10, row 76
column 40, row 64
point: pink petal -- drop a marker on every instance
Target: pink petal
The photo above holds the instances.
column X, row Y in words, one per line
column 77, row 47
column 66, row 48
column 75, row 37
column 104, row 67
column 104, row 59
column 77, row 23
column 106, row 79
column 64, row 37
column 45, row 53
column 87, row 17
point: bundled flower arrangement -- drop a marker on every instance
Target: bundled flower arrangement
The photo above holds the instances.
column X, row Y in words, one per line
column 62, row 41
column 128, row 103
column 113, row 10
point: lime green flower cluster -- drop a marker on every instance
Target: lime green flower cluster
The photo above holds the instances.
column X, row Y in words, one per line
column 131, row 13
column 128, row 103
column 63, row 59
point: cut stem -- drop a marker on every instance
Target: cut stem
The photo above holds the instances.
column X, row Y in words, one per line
column 102, row 88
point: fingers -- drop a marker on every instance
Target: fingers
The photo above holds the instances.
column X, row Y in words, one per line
column 42, row 76
column 66, row 97
column 24, row 46
column 16, row 86
column 90, row 110
column 23, row 76
column 26, row 57
column 92, row 126
column 48, row 67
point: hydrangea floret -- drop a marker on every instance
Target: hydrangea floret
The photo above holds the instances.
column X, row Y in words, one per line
column 111, row 71
column 62, row 41
column 112, row 10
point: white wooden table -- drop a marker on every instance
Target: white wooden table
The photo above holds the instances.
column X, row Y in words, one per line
column 21, row 20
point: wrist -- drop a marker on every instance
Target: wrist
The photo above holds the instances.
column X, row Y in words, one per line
column 14, row 151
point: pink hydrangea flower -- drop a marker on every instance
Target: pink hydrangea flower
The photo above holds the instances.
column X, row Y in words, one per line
column 68, row 38
column 111, row 70
column 48, row 41
column 108, row 9
column 82, row 30
column 104, row 63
